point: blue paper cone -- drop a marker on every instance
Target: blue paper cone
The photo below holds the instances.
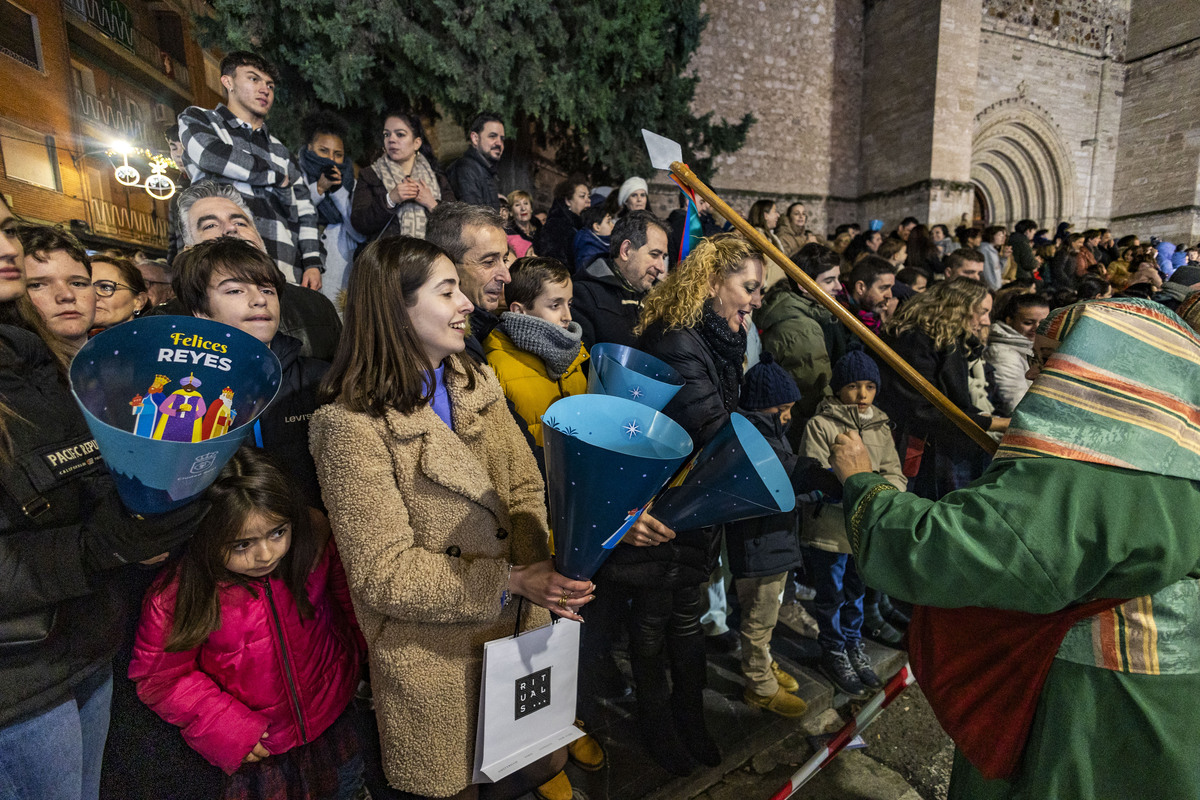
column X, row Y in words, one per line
column 605, row 458
column 169, row 400
column 620, row 371
column 735, row 476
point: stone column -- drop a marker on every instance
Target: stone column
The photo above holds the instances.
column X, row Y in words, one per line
column 920, row 62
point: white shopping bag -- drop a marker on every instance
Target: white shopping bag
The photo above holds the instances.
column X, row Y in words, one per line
column 526, row 699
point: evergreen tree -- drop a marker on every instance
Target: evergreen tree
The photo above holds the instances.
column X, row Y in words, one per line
column 581, row 77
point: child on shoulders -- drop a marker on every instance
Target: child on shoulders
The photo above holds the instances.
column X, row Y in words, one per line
column 592, row 240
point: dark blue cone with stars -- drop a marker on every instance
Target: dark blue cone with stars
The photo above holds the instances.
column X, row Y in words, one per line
column 620, row 371
column 605, row 458
column 735, row 476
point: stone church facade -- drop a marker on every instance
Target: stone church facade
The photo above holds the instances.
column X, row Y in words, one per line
column 1083, row 110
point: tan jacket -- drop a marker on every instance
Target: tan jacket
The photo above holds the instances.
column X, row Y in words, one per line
column 822, row 525
column 427, row 521
column 791, row 238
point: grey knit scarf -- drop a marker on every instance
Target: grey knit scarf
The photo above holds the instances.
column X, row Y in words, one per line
column 557, row 347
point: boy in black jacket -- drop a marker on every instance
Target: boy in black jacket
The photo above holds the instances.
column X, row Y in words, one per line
column 231, row 281
column 763, row 551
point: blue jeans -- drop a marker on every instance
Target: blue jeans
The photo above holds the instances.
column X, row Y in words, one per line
column 57, row 754
column 838, row 606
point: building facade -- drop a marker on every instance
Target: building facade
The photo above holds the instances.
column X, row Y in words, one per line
column 90, row 86
column 1000, row 110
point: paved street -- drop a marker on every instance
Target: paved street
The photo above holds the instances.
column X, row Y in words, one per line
column 907, row 755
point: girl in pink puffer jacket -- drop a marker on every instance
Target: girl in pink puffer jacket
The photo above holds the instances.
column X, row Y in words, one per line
column 249, row 643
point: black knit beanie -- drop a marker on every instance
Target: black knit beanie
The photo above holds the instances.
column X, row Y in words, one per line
column 852, row 367
column 767, row 385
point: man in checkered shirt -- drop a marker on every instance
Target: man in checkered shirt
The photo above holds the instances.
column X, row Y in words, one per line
column 231, row 144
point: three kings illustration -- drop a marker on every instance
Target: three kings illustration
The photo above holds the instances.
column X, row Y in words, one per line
column 182, row 415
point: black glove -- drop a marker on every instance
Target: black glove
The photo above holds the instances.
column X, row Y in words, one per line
column 808, row 476
column 112, row 537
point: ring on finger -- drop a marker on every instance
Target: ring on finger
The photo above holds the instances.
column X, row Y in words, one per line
column 562, row 601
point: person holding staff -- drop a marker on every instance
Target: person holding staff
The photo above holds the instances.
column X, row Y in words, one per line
column 1052, row 681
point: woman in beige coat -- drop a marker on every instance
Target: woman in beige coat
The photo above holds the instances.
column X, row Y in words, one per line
column 437, row 506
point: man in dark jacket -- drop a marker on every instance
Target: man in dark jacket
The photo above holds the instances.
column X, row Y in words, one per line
column 473, row 176
column 230, row 281
column 209, row 210
column 609, row 293
column 869, row 289
column 556, row 239
column 474, row 239
column 1022, row 252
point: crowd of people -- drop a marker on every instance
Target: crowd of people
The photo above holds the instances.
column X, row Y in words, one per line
column 313, row 625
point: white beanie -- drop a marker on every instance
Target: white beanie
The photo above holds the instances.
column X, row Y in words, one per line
column 629, row 187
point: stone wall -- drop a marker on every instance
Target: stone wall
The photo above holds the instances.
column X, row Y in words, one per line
column 797, row 67
column 880, row 108
column 1078, row 95
column 1078, row 25
column 1160, row 24
column 1158, row 162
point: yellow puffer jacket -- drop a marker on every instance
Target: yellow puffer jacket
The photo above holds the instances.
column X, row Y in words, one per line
column 526, row 383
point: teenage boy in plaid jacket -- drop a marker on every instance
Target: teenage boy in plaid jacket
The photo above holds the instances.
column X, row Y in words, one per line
column 231, row 144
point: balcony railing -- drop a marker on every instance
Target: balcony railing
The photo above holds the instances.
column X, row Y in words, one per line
column 112, row 18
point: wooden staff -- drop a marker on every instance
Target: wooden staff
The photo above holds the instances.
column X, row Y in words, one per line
column 916, row 379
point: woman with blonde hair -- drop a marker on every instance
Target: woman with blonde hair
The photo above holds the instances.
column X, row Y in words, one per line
column 940, row 332
column 696, row 321
column 522, row 224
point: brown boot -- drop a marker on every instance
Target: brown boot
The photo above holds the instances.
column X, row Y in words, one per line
column 586, row 752
column 785, row 704
column 557, row 788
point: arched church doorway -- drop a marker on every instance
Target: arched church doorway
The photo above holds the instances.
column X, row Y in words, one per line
column 1020, row 167
column 980, row 209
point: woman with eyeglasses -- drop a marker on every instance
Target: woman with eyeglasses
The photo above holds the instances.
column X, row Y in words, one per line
column 121, row 292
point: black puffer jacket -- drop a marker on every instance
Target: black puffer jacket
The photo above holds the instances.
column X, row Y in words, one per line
column 925, row 435
column 284, row 425
column 701, row 407
column 474, row 180
column 766, row 545
column 556, row 239
column 59, row 621
column 605, row 306
column 705, row 402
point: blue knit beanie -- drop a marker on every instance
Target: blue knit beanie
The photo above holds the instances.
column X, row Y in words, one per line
column 852, row 367
column 767, row 385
